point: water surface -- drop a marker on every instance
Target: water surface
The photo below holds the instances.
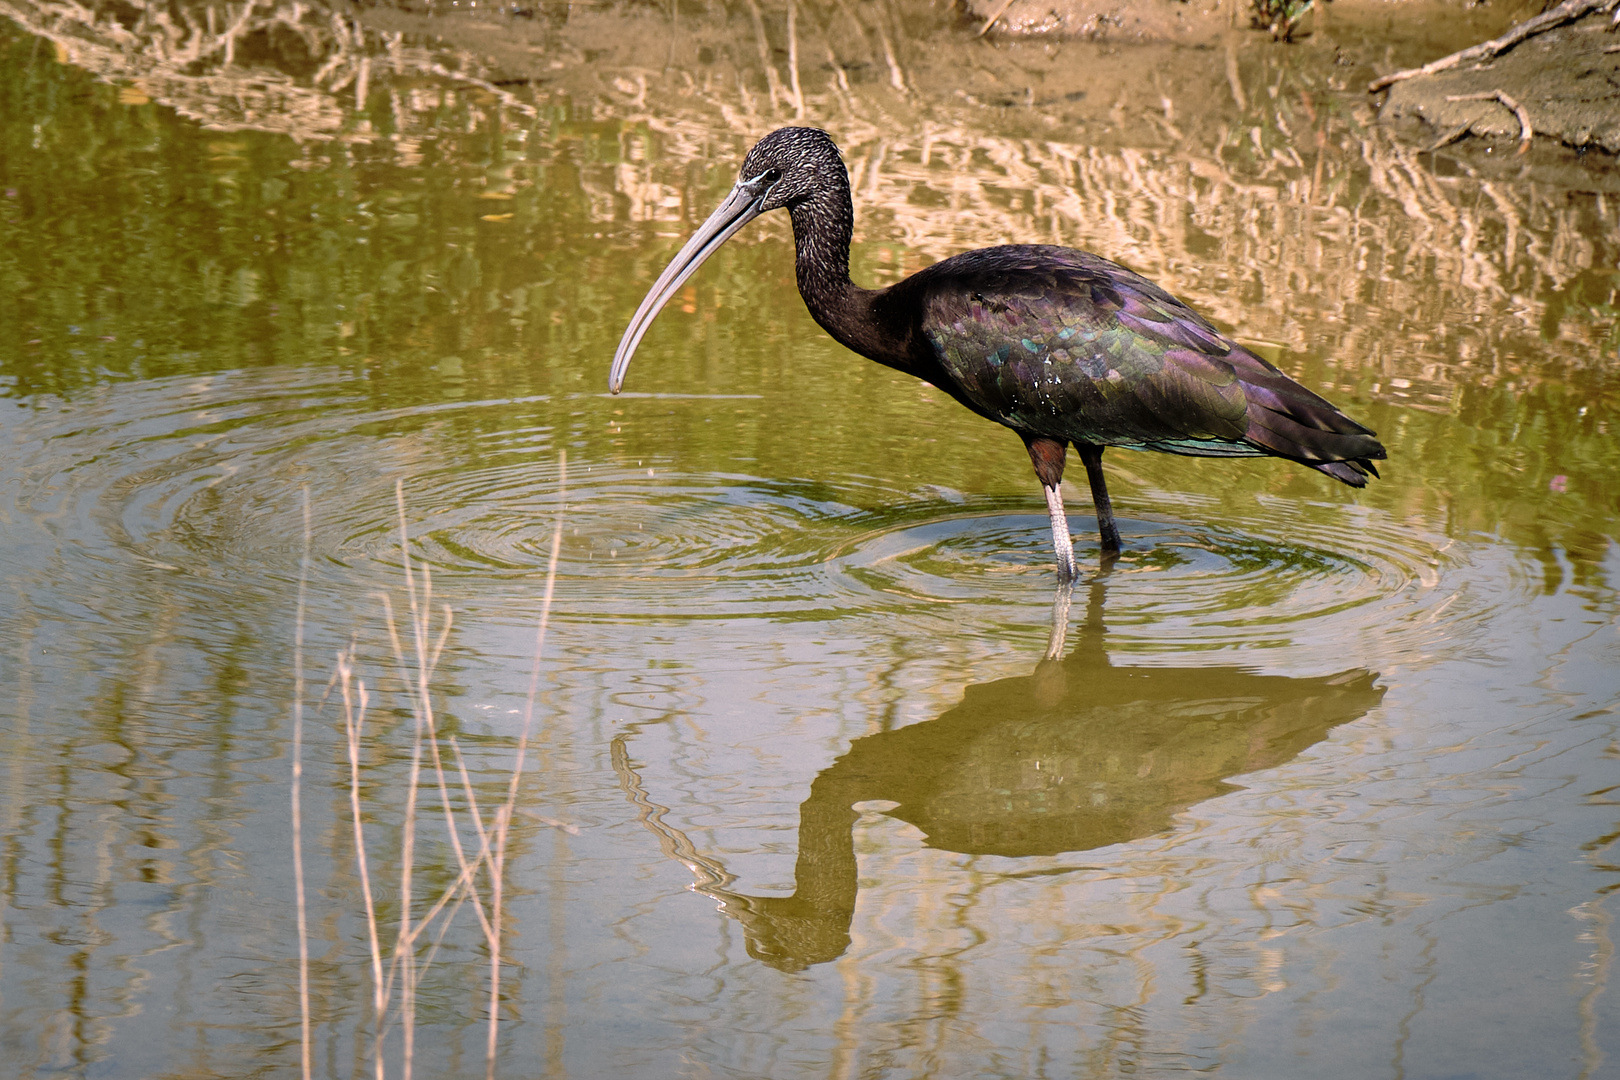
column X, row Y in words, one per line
column 1321, row 782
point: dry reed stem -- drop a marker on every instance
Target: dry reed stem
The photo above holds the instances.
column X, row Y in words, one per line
column 416, row 668
column 306, row 1044
column 353, row 722
column 404, row 956
column 504, row 815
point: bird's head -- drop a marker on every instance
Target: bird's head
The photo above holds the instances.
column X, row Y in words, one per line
column 789, row 165
column 783, row 169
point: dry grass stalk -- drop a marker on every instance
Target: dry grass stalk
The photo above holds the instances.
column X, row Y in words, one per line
column 480, row 880
column 503, row 823
column 306, row 1044
column 355, row 701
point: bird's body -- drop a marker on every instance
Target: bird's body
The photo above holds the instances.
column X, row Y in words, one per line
column 1059, row 345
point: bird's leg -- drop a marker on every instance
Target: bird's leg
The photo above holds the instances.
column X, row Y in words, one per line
column 1068, row 569
column 1091, row 454
column 1047, row 456
column 1060, row 620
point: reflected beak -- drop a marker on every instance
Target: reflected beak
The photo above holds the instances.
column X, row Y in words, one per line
column 741, row 206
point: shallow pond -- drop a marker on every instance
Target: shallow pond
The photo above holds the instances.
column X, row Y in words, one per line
column 1321, row 784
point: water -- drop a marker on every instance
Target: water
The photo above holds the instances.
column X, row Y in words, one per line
column 1322, row 783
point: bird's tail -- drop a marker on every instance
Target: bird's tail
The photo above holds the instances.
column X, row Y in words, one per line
column 1289, row 421
column 1353, row 472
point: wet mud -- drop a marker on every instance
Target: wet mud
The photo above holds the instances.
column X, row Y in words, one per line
column 1567, row 80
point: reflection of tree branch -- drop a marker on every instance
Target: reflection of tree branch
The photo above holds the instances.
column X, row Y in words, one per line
column 1246, row 179
column 193, row 67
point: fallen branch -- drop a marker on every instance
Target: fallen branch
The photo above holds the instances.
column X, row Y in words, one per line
column 1525, row 131
column 1568, row 11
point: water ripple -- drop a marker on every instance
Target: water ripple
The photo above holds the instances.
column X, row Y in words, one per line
column 200, row 478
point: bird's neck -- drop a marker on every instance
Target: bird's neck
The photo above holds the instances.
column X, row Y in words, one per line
column 822, row 227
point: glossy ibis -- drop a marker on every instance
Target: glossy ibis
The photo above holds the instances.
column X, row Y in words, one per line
column 1056, row 344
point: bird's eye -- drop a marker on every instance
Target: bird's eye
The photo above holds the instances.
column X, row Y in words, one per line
column 772, row 175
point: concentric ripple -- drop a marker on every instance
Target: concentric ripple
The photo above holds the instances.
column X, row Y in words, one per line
column 1342, row 579
column 200, row 480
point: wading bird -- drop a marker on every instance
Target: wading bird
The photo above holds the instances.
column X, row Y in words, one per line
column 1056, row 344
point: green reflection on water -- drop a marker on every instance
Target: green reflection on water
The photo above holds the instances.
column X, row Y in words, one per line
column 134, row 246
column 494, row 274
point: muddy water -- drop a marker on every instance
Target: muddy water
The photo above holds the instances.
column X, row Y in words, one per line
column 1321, row 784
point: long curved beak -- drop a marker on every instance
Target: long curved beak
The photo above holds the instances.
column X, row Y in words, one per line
column 741, row 206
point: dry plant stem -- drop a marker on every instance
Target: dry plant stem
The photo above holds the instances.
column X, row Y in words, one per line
column 306, row 1045
column 1568, row 11
column 1449, row 137
column 406, row 967
column 427, row 658
column 1525, row 131
column 353, row 721
column 469, row 870
column 503, row 818
column 404, row 956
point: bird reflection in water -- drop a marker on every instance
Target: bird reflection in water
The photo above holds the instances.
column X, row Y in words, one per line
column 1079, row 755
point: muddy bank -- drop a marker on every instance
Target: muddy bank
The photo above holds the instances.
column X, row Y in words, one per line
column 1567, row 81
column 1138, row 73
column 1136, row 21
